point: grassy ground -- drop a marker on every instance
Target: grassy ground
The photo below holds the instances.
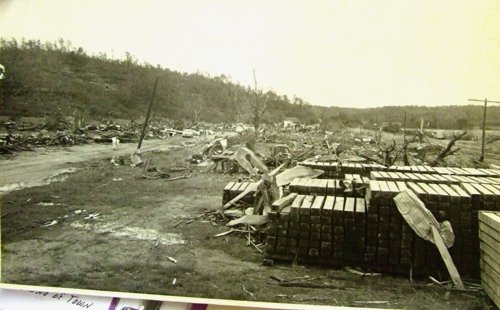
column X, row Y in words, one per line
column 125, row 248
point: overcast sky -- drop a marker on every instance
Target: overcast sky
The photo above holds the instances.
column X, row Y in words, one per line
column 333, row 53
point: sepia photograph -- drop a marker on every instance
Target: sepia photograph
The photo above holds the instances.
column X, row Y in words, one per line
column 293, row 153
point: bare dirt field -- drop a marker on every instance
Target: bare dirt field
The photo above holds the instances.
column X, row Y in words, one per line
column 104, row 228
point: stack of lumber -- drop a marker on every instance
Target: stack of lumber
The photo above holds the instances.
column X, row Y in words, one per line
column 432, row 178
column 315, row 228
column 489, row 233
column 334, row 170
column 233, row 189
column 307, row 186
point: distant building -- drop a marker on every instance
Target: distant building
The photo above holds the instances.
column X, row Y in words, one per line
column 291, row 122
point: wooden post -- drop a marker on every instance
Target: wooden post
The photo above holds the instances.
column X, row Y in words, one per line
column 147, row 115
column 481, row 158
column 405, row 154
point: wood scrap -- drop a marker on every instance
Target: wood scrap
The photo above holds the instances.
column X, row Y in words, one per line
column 249, row 219
column 248, row 292
column 177, row 224
column 310, row 285
column 277, row 278
column 181, row 177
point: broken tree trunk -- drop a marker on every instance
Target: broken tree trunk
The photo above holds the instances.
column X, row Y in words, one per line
column 447, row 151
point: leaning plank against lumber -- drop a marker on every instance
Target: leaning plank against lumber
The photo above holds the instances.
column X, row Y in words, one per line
column 455, row 276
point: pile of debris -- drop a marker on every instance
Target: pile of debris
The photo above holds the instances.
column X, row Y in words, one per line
column 24, row 136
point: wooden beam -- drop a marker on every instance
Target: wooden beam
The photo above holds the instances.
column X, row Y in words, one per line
column 455, row 276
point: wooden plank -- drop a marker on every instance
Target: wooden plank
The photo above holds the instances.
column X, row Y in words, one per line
column 461, row 171
column 443, row 250
column 491, row 218
column 349, row 207
column 421, row 169
column 393, row 187
column 490, row 289
column 394, row 176
column 432, row 178
column 485, row 193
column 373, row 191
column 297, row 202
column 323, row 186
column 465, row 179
column 360, row 205
column 493, row 180
column 293, row 185
column 454, row 196
column 385, row 175
column 317, row 204
column 492, row 234
column 477, row 180
column 328, row 206
column 412, row 177
column 489, row 256
column 475, row 172
column 422, row 177
column 305, row 208
column 402, row 186
column 279, row 204
column 450, row 179
column 473, row 193
column 385, row 192
column 229, row 186
column 421, row 194
column 441, row 170
column 375, row 175
column 250, row 220
column 487, row 171
column 339, row 205
column 403, row 177
column 440, row 179
column 429, row 169
column 431, row 193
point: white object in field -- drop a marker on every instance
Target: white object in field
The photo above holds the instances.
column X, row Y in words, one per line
column 2, row 72
column 116, row 142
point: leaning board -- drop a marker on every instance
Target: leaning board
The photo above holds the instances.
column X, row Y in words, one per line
column 489, row 235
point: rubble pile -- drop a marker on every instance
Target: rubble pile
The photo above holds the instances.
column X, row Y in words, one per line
column 24, row 136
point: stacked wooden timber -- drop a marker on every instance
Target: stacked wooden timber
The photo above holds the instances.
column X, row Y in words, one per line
column 307, row 186
column 432, row 178
column 489, row 233
column 315, row 228
column 336, row 170
column 233, row 189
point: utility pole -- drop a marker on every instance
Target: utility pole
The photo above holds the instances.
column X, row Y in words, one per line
column 143, row 132
column 481, row 158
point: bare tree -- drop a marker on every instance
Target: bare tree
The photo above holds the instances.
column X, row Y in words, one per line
column 259, row 104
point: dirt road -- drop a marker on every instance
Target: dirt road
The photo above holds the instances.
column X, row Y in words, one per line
column 30, row 168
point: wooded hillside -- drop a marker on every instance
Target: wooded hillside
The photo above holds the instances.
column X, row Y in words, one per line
column 44, row 79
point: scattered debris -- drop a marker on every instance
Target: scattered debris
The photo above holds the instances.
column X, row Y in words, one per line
column 92, row 216
column 248, row 292
column 173, row 260
column 52, row 223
